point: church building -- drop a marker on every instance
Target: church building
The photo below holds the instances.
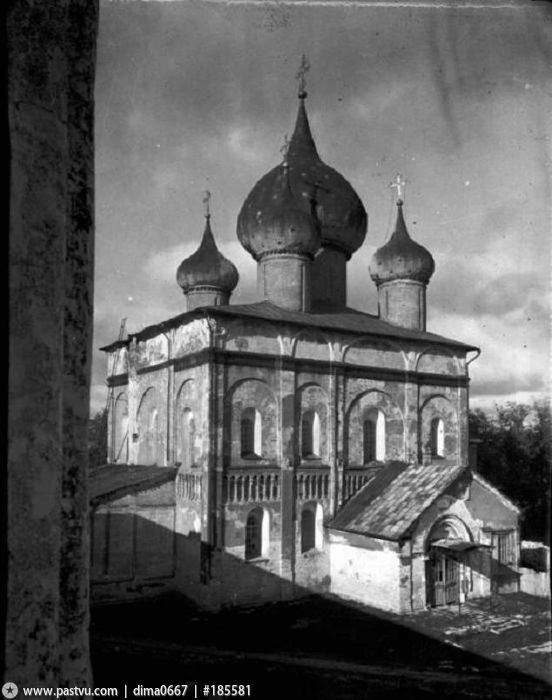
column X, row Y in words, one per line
column 265, row 451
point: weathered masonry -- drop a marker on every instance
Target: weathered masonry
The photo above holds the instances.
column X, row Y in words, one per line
column 263, row 451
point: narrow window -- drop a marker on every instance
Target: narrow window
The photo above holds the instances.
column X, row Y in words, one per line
column 310, row 435
column 369, row 430
column 374, row 436
column 503, row 547
column 251, row 433
column 254, row 534
column 437, row 437
column 308, row 530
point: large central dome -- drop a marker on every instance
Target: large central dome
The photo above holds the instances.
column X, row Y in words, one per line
column 340, row 212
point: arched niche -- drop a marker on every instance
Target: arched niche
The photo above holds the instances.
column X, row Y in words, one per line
column 152, row 351
column 437, row 360
column 312, row 427
column 119, row 435
column 190, row 338
column 311, row 527
column 257, row 534
column 187, row 425
column 438, row 408
column 448, row 527
column 312, row 345
column 151, row 448
column 388, row 425
column 374, row 352
column 256, row 335
column 251, row 402
column 120, row 361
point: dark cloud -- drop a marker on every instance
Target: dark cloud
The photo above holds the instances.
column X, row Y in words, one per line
column 510, row 385
column 506, row 294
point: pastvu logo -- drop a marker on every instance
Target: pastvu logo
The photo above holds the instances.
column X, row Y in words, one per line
column 10, row 690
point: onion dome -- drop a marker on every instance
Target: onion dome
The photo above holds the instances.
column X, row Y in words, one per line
column 207, row 267
column 401, row 257
column 275, row 221
column 341, row 215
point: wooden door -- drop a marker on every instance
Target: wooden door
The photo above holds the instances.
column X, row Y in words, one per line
column 443, row 572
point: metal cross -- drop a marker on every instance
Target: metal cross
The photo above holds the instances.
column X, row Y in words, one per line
column 399, row 184
column 300, row 77
column 206, row 200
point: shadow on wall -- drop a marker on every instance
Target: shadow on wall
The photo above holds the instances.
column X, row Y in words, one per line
column 303, row 644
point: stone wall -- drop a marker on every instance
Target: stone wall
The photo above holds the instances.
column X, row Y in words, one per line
column 50, row 92
column 133, row 545
column 365, row 570
column 231, row 369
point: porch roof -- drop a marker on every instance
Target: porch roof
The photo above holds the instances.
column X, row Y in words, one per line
column 113, row 481
column 388, row 505
column 458, row 545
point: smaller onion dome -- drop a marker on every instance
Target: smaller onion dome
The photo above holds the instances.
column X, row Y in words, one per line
column 207, row 267
column 274, row 221
column 401, row 257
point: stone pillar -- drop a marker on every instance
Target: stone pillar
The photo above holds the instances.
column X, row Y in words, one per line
column 336, row 495
column 288, row 460
column 133, row 404
column 284, row 279
column 403, row 302
column 411, row 413
column 170, row 408
column 50, row 94
column 329, row 281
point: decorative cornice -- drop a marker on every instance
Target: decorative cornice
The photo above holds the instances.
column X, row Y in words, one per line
column 285, row 363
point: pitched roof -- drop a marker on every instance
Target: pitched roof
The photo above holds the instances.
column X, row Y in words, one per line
column 350, row 320
column 117, row 480
column 389, row 504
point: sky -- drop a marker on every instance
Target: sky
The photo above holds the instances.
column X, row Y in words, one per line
column 199, row 95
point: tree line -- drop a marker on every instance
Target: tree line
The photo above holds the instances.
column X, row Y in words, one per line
column 515, row 456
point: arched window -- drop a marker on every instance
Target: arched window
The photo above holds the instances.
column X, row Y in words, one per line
column 437, row 437
column 311, row 527
column 187, row 426
column 256, row 534
column 369, row 430
column 374, row 436
column 310, row 435
column 308, row 539
column 153, row 437
column 151, row 450
column 251, row 433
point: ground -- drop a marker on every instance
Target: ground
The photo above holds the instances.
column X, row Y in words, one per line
column 324, row 648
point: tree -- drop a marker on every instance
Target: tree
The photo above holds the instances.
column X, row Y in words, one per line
column 514, row 455
column 97, row 439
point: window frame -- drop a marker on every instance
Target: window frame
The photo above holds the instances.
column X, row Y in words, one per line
column 437, row 437
column 311, row 428
column 258, row 522
column 503, row 542
column 251, row 417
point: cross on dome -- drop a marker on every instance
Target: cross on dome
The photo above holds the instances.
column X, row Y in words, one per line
column 206, row 202
column 300, row 77
column 399, row 183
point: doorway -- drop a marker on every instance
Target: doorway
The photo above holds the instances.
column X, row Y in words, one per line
column 442, row 578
